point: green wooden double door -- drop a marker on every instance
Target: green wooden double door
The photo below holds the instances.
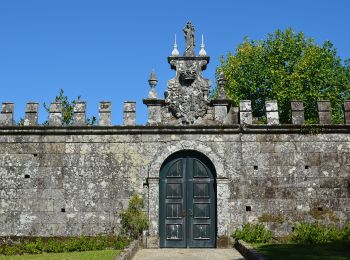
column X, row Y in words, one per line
column 187, row 210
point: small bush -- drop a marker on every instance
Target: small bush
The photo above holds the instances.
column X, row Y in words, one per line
column 33, row 247
column 316, row 233
column 133, row 219
column 253, row 233
column 346, row 232
column 54, row 245
column 121, row 243
column 13, row 250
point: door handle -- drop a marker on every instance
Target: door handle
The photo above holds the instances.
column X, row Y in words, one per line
column 190, row 212
column 183, row 213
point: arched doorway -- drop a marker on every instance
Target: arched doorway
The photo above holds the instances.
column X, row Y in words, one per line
column 187, row 201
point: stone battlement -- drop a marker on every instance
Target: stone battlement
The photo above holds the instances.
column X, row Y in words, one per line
column 222, row 113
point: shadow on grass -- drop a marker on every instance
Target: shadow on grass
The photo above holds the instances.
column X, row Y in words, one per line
column 336, row 250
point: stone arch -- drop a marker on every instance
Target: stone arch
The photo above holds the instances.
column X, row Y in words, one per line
column 223, row 191
column 170, row 149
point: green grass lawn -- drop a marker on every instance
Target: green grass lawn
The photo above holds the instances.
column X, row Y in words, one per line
column 336, row 250
column 89, row 255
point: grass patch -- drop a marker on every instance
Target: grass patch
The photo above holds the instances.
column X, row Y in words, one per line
column 335, row 250
column 91, row 255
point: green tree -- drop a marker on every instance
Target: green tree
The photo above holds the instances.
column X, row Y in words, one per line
column 68, row 109
column 287, row 66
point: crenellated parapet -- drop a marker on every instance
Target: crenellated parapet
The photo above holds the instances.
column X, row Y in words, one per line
column 224, row 114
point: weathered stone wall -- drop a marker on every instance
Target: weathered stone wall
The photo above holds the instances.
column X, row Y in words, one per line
column 57, row 181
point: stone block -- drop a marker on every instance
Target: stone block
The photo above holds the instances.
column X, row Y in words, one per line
column 245, row 106
column 7, row 110
column 55, row 116
column 105, row 113
column 154, row 115
column 220, row 113
column 297, row 112
column 129, row 106
column 129, row 113
column 272, row 112
column 245, row 114
column 232, row 116
column 31, row 114
column 79, row 113
column 324, row 112
column 271, row 106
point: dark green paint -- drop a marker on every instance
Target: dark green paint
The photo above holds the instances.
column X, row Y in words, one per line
column 187, row 198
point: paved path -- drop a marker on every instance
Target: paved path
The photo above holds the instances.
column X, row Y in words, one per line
column 188, row 254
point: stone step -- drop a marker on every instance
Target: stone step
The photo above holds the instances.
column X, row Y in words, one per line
column 188, row 254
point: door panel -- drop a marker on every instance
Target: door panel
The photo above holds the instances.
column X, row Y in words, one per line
column 187, row 212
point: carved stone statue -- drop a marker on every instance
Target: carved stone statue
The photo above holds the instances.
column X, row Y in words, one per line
column 189, row 38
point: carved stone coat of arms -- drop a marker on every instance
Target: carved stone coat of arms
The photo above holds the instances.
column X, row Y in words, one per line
column 187, row 93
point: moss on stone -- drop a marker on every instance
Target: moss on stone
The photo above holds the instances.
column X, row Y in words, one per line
column 265, row 217
column 324, row 214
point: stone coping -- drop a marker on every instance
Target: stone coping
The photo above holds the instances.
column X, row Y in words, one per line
column 129, row 252
column 247, row 251
column 196, row 129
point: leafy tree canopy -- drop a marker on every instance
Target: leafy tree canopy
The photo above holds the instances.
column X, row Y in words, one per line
column 287, row 66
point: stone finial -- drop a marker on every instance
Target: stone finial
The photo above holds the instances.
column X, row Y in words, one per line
column 129, row 113
column 31, row 114
column 222, row 82
column 272, row 112
column 152, row 82
column 7, row 114
column 297, row 112
column 104, row 113
column 175, row 51
column 189, row 38
column 79, row 113
column 55, row 116
column 245, row 112
column 347, row 112
column 202, row 52
column 324, row 112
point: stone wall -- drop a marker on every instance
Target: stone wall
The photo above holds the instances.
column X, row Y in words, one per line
column 64, row 181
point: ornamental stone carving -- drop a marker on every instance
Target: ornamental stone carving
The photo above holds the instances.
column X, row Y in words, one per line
column 187, row 93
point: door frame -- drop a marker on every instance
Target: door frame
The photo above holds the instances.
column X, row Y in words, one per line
column 208, row 163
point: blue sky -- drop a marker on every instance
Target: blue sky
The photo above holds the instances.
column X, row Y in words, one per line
column 105, row 50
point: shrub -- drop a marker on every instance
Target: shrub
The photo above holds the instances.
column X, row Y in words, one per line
column 121, row 243
column 33, row 247
column 133, row 219
column 315, row 233
column 346, row 232
column 253, row 233
column 13, row 250
column 54, row 245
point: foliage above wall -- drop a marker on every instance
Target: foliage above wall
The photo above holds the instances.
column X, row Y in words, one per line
column 68, row 109
column 287, row 66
